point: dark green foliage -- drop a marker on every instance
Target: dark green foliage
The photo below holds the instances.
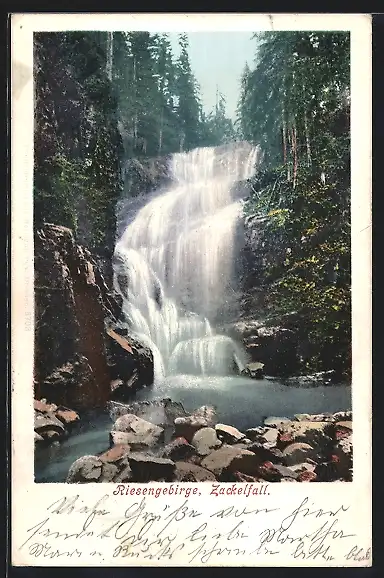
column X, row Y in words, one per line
column 295, row 103
column 77, row 143
column 101, row 99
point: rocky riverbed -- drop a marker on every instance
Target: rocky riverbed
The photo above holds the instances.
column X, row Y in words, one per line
column 160, row 441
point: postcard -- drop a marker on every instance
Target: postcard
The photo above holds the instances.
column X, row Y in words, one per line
column 191, row 290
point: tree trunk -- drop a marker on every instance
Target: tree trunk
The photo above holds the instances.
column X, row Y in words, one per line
column 109, row 63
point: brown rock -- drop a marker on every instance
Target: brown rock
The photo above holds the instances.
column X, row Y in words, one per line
column 188, row 472
column 124, row 476
column 45, row 422
column 67, row 416
column 108, row 472
column 146, row 468
column 296, row 453
column 85, row 469
column 228, row 433
column 315, row 433
column 307, row 476
column 115, row 454
column 229, row 459
column 139, row 432
column 187, row 426
column 178, row 449
column 43, row 407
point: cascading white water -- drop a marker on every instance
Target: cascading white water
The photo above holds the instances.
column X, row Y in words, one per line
column 176, row 258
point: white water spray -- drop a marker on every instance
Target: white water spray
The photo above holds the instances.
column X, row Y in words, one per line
column 177, row 257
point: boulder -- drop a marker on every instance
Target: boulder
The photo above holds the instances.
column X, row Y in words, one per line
column 187, row 426
column 161, row 412
column 125, row 475
column 276, row 421
column 205, row 440
column 275, row 347
column 342, row 416
column 229, row 459
column 116, row 453
column 178, row 449
column 324, row 417
column 108, row 472
column 43, row 407
column 343, row 429
column 146, row 468
column 342, row 457
column 139, row 433
column 228, row 433
column 48, row 422
column 254, row 432
column 265, row 453
column 67, row 416
column 296, row 453
column 85, row 469
column 187, row 472
column 254, row 370
column 38, row 437
column 275, row 472
column 307, row 476
column 269, row 436
column 312, row 432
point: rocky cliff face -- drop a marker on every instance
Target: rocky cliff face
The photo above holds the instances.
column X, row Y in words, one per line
column 75, row 358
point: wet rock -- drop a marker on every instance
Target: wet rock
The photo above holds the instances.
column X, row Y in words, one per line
column 324, row 417
column 240, row 477
column 178, row 449
column 115, row 454
column 254, row 432
column 254, row 370
column 303, row 467
column 343, row 429
column 160, row 412
column 108, row 472
column 307, row 476
column 187, row 472
column 342, row 457
column 266, row 453
column 44, row 423
column 270, row 436
column 85, row 469
column 125, row 475
column 67, row 416
column 146, row 468
column 205, row 440
column 275, row 472
column 296, row 453
column 342, row 416
column 315, row 433
column 324, row 377
column 276, row 421
column 139, row 432
column 43, row 407
column 129, row 361
column 187, row 426
column 38, row 437
column 229, row 459
column 229, row 434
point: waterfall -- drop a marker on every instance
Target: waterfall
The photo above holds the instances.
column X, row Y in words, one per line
column 174, row 262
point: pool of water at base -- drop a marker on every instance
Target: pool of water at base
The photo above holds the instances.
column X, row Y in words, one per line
column 241, row 402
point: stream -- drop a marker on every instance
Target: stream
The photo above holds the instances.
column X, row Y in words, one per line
column 240, row 401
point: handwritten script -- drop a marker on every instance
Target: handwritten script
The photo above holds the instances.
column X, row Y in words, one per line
column 131, row 530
